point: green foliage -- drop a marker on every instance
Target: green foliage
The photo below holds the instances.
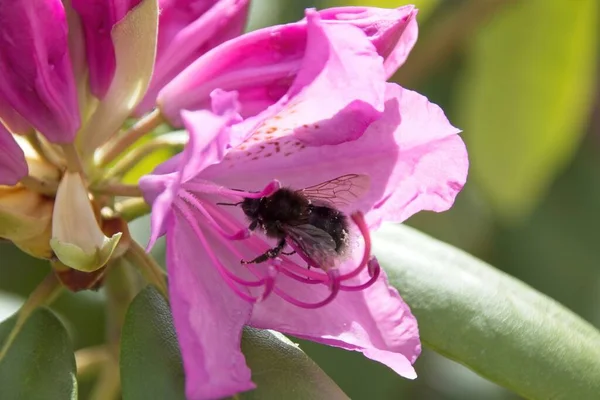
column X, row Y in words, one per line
column 149, row 349
column 280, row 369
column 39, row 362
column 525, row 97
column 489, row 321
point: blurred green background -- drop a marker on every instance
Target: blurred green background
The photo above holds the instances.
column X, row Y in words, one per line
column 520, row 79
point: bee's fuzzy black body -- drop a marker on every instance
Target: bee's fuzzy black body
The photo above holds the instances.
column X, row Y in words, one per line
column 289, row 215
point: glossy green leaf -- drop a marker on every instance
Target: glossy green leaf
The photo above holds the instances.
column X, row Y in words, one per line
column 492, row 323
column 282, row 371
column 149, row 349
column 39, row 364
column 151, row 366
column 526, row 97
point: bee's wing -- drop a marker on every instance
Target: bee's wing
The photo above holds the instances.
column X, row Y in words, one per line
column 315, row 243
column 339, row 192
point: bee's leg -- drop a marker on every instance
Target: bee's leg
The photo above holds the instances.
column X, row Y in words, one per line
column 289, row 253
column 269, row 254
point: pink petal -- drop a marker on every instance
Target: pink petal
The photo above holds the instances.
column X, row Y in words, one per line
column 13, row 166
column 393, row 32
column 208, row 320
column 209, row 136
column 331, row 94
column 414, row 157
column 37, row 77
column 187, row 30
column 98, row 18
column 374, row 321
column 13, row 120
column 262, row 65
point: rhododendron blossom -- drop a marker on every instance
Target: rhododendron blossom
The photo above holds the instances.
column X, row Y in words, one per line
column 336, row 117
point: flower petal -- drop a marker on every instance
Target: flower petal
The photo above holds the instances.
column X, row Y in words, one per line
column 393, row 32
column 37, row 78
column 331, row 100
column 414, row 157
column 262, row 65
column 98, row 17
column 208, row 319
column 134, row 41
column 374, row 321
column 209, row 136
column 13, row 166
column 13, row 120
column 188, row 29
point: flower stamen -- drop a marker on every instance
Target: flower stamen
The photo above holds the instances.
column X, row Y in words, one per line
column 211, row 188
column 374, row 272
column 334, row 279
column 230, row 278
column 241, row 234
column 360, row 222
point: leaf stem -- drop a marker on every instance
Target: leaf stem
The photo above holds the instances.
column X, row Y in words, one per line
column 46, row 292
column 133, row 208
column 137, row 154
column 90, row 359
column 117, row 147
column 147, row 266
column 118, row 189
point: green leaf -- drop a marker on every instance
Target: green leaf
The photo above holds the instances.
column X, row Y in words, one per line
column 39, row 363
column 149, row 349
column 492, row 323
column 151, row 366
column 281, row 370
column 526, row 97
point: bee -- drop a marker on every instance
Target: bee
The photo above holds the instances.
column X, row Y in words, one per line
column 308, row 220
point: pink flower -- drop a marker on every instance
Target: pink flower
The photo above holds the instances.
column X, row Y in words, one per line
column 338, row 118
column 187, row 30
column 262, row 65
column 52, row 54
column 13, row 166
column 37, row 76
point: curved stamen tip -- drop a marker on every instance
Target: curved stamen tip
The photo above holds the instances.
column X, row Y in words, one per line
column 269, row 282
column 359, row 220
column 271, row 188
column 334, row 278
column 373, row 266
column 241, row 234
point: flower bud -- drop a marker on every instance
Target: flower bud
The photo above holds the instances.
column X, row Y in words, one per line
column 37, row 76
column 77, row 240
column 25, row 218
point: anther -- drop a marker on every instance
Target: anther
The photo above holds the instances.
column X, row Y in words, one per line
column 374, row 271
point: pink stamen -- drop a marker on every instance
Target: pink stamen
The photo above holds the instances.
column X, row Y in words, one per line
column 299, row 278
column 334, row 278
column 211, row 188
column 359, row 220
column 230, row 278
column 298, row 270
column 374, row 272
column 194, row 202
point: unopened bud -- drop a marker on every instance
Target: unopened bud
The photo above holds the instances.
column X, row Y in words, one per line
column 77, row 240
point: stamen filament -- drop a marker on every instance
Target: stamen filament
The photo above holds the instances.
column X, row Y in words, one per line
column 230, row 278
column 194, row 202
column 335, row 288
column 374, row 272
column 359, row 220
column 211, row 188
